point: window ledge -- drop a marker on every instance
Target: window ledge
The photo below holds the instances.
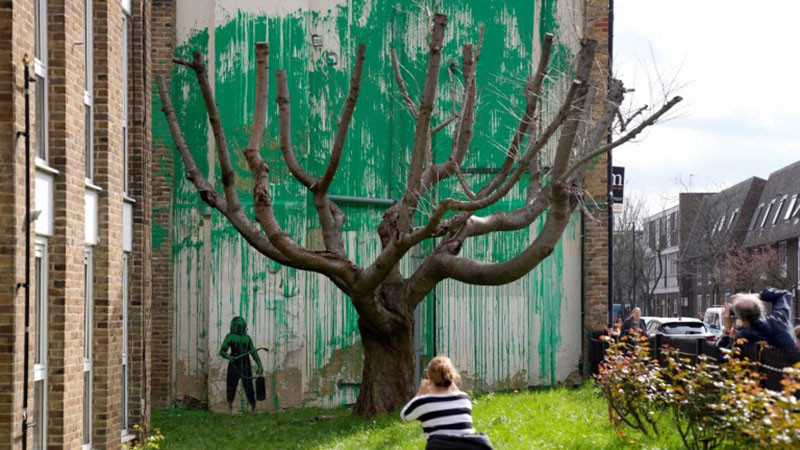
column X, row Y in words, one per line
column 42, row 165
column 127, row 199
column 92, row 187
column 127, row 436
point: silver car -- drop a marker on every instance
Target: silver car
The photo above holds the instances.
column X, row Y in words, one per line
column 680, row 328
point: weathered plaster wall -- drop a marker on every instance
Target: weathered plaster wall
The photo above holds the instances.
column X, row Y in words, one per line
column 522, row 334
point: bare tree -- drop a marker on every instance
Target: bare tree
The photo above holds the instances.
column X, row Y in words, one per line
column 382, row 296
column 638, row 264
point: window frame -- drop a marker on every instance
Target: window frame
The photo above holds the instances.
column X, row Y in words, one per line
column 41, row 149
column 790, row 209
column 766, row 213
column 41, row 336
column 88, row 89
column 125, row 401
column 780, row 207
column 88, row 363
column 783, row 259
column 127, row 21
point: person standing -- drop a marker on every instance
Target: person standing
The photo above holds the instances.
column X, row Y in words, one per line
column 775, row 328
column 634, row 323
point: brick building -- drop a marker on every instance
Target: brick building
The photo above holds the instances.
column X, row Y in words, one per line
column 719, row 227
column 666, row 235
column 776, row 224
column 89, row 291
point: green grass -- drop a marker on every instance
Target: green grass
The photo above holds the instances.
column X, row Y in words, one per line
column 557, row 418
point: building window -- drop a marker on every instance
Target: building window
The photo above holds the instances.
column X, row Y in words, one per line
column 40, row 349
column 796, row 210
column 783, row 259
column 88, row 321
column 789, row 209
column 125, row 299
column 733, row 218
column 756, row 216
column 673, row 229
column 766, row 213
column 88, row 99
column 778, row 210
column 40, row 71
column 126, row 24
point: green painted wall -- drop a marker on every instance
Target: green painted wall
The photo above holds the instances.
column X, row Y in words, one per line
column 512, row 336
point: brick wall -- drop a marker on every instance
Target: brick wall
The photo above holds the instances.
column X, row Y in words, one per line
column 66, row 279
column 66, row 245
column 16, row 40
column 163, row 35
column 595, row 225
column 107, row 255
column 139, row 120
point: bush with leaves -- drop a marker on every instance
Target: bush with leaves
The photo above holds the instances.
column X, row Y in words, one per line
column 151, row 442
column 711, row 402
column 630, row 381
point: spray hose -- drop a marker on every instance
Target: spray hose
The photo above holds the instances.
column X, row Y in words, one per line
column 247, row 353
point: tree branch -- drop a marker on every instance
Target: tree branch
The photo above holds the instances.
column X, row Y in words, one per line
column 401, row 85
column 227, row 172
column 630, row 135
column 344, row 122
column 533, row 89
column 421, row 132
column 210, row 196
column 285, row 124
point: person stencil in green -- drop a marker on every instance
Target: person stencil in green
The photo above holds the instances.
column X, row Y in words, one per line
column 241, row 349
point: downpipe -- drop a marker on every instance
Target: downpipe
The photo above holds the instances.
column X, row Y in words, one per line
column 26, row 285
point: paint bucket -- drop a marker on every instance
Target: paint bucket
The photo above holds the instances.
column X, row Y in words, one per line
column 261, row 389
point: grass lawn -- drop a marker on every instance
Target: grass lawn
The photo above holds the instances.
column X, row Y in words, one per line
column 557, row 418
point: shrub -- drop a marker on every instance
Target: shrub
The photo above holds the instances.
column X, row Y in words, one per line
column 152, row 442
column 629, row 380
column 711, row 402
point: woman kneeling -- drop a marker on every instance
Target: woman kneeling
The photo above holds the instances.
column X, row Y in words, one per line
column 445, row 411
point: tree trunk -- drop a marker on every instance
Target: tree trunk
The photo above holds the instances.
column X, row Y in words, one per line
column 387, row 379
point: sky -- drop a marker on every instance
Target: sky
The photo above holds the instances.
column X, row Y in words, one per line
column 734, row 63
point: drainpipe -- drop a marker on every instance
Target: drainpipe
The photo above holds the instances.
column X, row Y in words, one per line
column 362, row 200
column 26, row 285
column 608, row 174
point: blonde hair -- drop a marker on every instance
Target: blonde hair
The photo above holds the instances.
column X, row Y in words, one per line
column 441, row 372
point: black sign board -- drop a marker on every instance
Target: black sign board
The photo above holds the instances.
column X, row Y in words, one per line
column 617, row 181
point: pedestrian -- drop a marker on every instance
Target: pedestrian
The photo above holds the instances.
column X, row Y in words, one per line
column 775, row 328
column 444, row 410
column 634, row 324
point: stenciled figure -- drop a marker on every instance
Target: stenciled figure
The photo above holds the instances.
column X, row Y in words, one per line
column 241, row 349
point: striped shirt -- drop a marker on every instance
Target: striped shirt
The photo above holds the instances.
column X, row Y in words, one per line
column 441, row 414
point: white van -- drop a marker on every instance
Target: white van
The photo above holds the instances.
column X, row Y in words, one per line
column 713, row 318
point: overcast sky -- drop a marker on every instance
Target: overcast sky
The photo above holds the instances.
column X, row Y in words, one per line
column 735, row 64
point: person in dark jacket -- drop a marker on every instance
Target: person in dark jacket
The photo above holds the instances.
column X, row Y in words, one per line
column 775, row 329
column 634, row 323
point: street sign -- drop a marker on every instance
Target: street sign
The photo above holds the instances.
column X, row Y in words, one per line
column 617, row 183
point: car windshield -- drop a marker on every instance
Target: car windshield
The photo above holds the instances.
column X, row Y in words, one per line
column 683, row 328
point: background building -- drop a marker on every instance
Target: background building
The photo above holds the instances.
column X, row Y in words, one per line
column 775, row 227
column 717, row 234
column 89, row 129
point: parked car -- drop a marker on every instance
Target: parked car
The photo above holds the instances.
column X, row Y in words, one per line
column 680, row 328
column 713, row 320
column 647, row 320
